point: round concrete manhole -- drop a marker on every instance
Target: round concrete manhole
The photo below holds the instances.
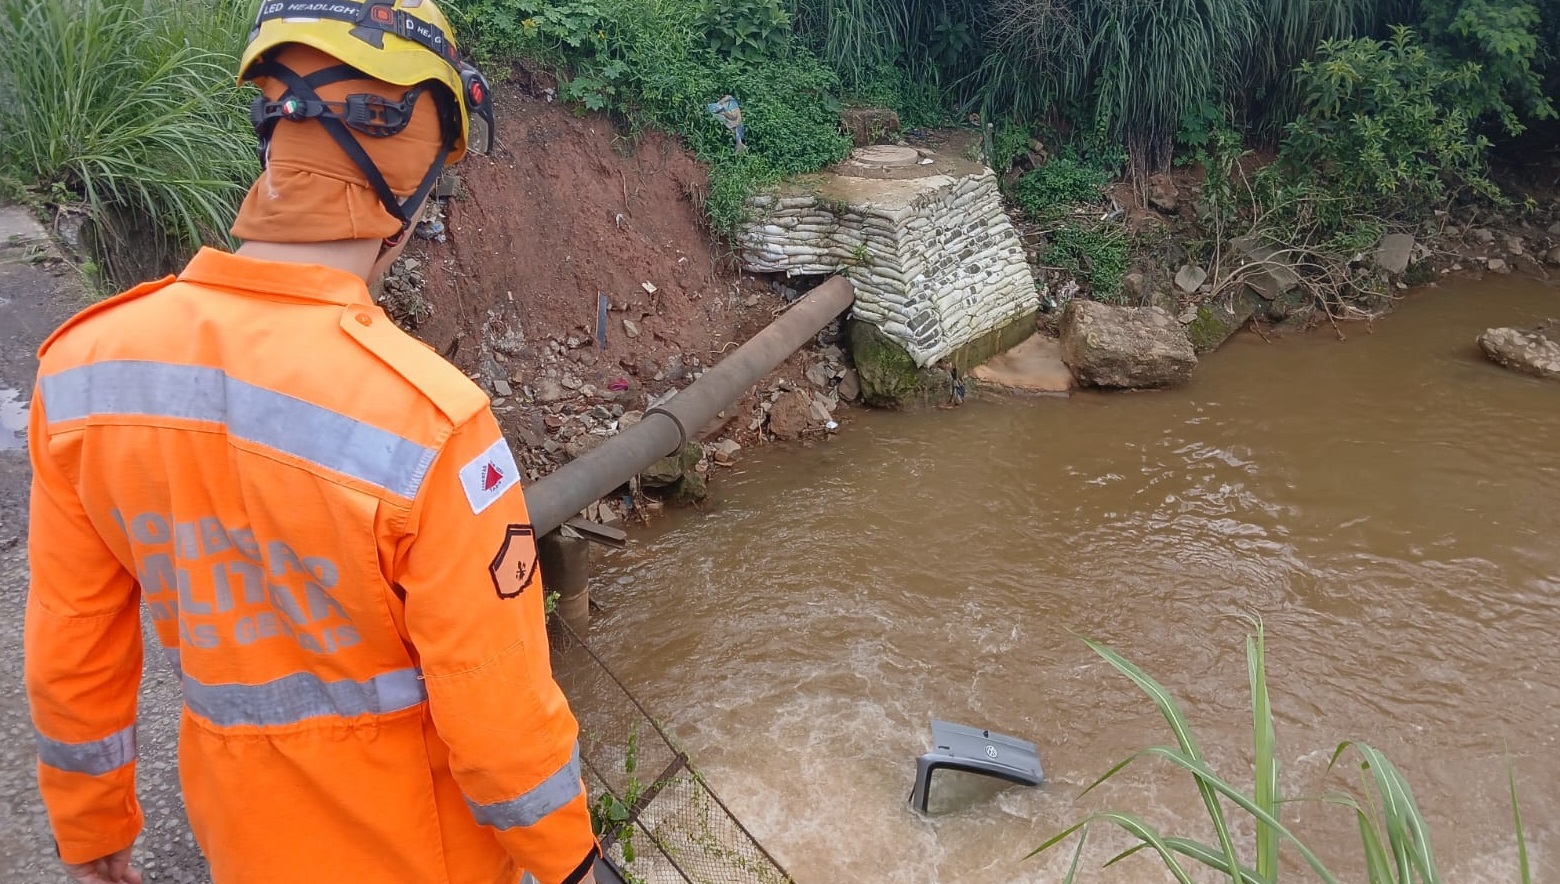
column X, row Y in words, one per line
column 881, row 155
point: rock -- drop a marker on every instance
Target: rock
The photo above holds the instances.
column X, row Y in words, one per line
column 1163, row 194
column 1515, row 246
column 819, row 375
column 1134, row 286
column 888, row 374
column 1130, row 347
column 571, row 382
column 1498, row 265
column 1220, row 318
column 1534, row 351
column 1481, row 235
column 822, row 410
column 726, row 451
column 1188, row 316
column 579, row 445
column 790, row 415
column 1394, row 252
column 1553, row 256
column 1554, row 229
column 631, row 328
column 850, row 386
column 502, row 388
column 670, row 469
column 548, row 390
column 1275, row 278
column 1190, row 278
column 692, row 488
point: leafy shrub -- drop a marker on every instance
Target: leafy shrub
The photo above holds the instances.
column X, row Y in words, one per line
column 1095, row 256
column 1382, row 126
column 1502, row 38
column 132, row 110
column 1044, row 193
column 746, row 30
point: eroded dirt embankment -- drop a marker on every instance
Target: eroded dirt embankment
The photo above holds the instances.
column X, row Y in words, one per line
column 569, row 212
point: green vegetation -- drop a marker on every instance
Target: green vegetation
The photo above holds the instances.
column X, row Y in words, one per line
column 1094, row 254
column 661, row 62
column 1394, row 835
column 1045, row 194
column 130, row 111
column 1378, row 111
column 611, row 817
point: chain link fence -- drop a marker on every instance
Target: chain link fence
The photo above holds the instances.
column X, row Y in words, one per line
column 658, row 819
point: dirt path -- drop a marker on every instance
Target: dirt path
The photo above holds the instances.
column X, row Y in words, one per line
column 36, row 294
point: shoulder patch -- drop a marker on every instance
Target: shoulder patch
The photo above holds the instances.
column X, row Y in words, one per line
column 514, row 565
column 452, row 392
column 488, row 475
column 101, row 307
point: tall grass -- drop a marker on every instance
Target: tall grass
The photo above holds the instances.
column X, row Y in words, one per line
column 129, row 108
column 1394, row 836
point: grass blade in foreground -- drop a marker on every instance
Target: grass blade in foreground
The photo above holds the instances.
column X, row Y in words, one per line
column 1516, row 815
column 1183, row 737
column 1263, row 743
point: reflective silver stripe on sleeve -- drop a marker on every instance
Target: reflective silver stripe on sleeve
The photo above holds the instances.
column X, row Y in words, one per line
column 302, row 696
column 275, row 420
column 532, row 807
column 95, row 757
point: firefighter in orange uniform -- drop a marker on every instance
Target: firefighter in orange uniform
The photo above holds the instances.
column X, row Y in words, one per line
column 319, row 513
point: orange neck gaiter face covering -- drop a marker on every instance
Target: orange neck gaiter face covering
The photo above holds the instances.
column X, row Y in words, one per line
column 311, row 191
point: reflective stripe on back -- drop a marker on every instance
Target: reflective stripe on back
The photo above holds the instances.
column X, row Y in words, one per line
column 94, row 757
column 302, row 696
column 275, row 420
column 532, row 807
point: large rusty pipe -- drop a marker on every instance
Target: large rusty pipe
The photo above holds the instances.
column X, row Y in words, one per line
column 558, row 497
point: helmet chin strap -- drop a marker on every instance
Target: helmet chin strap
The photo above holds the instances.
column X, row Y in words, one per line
column 302, row 102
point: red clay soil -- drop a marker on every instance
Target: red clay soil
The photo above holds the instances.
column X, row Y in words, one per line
column 565, row 208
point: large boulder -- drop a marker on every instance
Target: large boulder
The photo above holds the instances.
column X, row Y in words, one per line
column 1131, row 347
column 1534, row 351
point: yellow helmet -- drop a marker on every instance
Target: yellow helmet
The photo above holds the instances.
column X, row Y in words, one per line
column 404, row 42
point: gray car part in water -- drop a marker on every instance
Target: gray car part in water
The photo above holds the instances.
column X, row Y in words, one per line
column 974, row 750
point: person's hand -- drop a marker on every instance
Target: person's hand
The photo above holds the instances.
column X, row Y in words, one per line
column 112, row 869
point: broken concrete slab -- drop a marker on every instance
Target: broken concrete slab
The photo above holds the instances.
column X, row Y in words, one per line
column 1394, row 253
column 1273, row 277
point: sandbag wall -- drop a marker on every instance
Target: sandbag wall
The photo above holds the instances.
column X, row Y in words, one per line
column 935, row 260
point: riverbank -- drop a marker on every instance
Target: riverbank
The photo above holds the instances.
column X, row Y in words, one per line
column 573, row 277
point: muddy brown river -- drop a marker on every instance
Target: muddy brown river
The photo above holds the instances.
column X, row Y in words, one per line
column 1388, row 506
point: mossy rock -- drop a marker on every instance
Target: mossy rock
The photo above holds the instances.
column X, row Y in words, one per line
column 889, row 376
column 690, row 489
column 1221, row 318
column 671, row 469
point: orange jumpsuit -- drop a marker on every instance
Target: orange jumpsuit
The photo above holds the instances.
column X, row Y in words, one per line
column 326, row 525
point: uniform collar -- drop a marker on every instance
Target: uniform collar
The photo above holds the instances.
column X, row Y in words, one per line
column 310, row 282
